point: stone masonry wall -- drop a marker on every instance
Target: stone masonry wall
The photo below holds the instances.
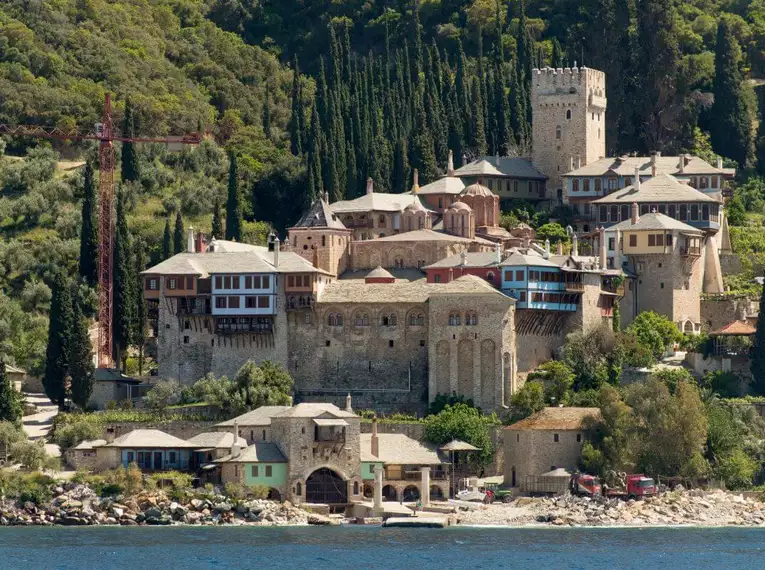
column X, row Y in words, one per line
column 534, row 452
column 719, row 310
column 180, row 429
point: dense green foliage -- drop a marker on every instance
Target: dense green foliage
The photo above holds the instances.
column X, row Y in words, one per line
column 59, row 341
column 464, row 423
column 80, row 359
column 11, row 408
column 757, row 365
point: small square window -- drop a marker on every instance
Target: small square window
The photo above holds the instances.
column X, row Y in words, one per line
column 390, row 344
column 556, row 439
column 268, row 470
column 662, row 285
column 254, row 470
column 578, row 437
column 422, row 343
column 328, row 343
column 185, row 340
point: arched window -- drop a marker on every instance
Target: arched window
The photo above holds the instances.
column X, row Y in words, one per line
column 299, row 489
column 568, row 114
column 355, row 487
column 471, row 319
column 382, row 221
column 335, row 320
column 490, row 277
column 420, row 222
column 454, row 319
column 575, row 185
column 362, row 319
column 557, row 132
column 398, row 262
column 416, row 319
column 388, row 320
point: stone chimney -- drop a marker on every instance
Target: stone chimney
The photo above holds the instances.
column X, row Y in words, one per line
column 348, row 407
column 450, row 164
column 602, row 247
column 236, row 449
column 190, row 240
column 719, row 162
column 416, row 181
column 110, row 435
column 463, row 259
column 571, row 163
column 637, row 178
column 682, row 164
column 578, row 162
column 325, row 195
column 370, row 186
column 654, row 156
column 635, row 213
column 547, row 247
column 574, row 246
column 497, row 253
column 375, row 440
column 200, row 243
column 451, row 275
column 276, row 252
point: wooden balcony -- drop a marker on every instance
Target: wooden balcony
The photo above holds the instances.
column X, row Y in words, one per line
column 574, row 287
column 690, row 251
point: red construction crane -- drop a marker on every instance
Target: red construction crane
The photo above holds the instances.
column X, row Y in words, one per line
column 102, row 132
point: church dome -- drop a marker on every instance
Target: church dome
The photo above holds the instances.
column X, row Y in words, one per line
column 477, row 190
column 459, row 206
column 415, row 206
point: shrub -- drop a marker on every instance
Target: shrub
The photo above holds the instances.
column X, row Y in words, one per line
column 235, row 491
column 73, row 434
column 528, row 400
column 443, row 400
column 465, row 423
column 164, row 393
column 31, row 454
column 258, row 491
column 736, row 469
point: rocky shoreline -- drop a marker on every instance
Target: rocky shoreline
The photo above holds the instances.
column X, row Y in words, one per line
column 674, row 508
column 79, row 505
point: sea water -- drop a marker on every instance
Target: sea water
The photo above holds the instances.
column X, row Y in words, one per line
column 149, row 548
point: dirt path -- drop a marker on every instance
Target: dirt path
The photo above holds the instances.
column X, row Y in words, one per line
column 37, row 425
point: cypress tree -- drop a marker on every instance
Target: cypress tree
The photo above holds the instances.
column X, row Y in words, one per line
column 89, row 230
column 423, row 156
column 141, row 311
column 462, row 87
column 130, row 166
column 417, row 48
column 123, row 310
column 233, row 204
column 492, row 134
column 167, row 241
column 217, row 223
column 315, row 181
column 59, row 339
column 505, row 139
column 11, row 409
column 401, row 172
column 178, row 234
column 760, row 148
column 478, row 137
column 517, row 109
column 81, row 360
column 482, row 85
column 296, row 120
column 556, row 59
column 757, row 355
column 732, row 126
column 267, row 112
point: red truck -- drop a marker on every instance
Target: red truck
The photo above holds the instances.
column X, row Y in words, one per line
column 634, row 487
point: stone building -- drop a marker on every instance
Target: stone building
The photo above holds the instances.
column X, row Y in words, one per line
column 549, row 439
column 509, row 178
column 254, row 426
column 568, row 122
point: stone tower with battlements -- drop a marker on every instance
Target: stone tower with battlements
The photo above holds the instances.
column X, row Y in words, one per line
column 568, row 122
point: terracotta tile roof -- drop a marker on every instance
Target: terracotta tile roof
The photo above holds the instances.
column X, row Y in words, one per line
column 557, row 419
column 736, row 328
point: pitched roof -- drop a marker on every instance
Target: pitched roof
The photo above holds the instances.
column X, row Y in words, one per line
column 258, row 417
column 90, row 444
column 374, row 201
column 150, row 438
column 523, row 259
column 514, row 167
column 217, row 439
column 319, row 215
column 14, row 370
column 399, row 449
column 253, row 259
column 655, row 221
column 660, row 188
column 258, row 452
column 444, row 185
column 424, row 235
column 472, row 259
column 736, row 328
column 625, row 166
column 313, row 410
column 350, row 291
column 379, row 273
column 557, row 418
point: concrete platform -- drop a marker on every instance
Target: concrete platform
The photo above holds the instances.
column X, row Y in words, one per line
column 416, row 522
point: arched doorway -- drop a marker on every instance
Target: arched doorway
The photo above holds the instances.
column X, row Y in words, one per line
column 389, row 493
column 274, row 495
column 326, row 486
column 512, row 477
column 411, row 493
column 369, row 491
column 436, row 493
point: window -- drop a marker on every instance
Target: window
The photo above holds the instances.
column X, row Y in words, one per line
column 186, row 325
column 662, row 285
column 220, row 302
column 557, row 133
column 519, row 275
column 250, row 302
column 298, row 489
column 668, row 240
column 522, row 297
column 703, row 180
column 235, row 282
column 662, row 209
column 390, row 344
column 355, row 487
column 556, row 439
column 705, row 212
column 227, row 282
column 362, row 320
column 269, row 471
column 579, row 438
column 586, row 185
column 153, row 284
column 643, row 209
column 248, row 282
column 672, row 211
column 308, row 318
column 597, row 185
column 603, row 213
column 263, row 302
column 185, row 340
column 575, row 185
column 290, row 281
column 256, row 281
column 266, row 282
column 323, row 241
column 651, row 240
column 611, row 242
column 568, row 114
column 440, row 202
column 171, row 283
column 218, row 282
column 614, row 213
column 660, row 240
column 627, row 181
column 171, row 458
column 694, row 212
column 388, row 320
column 454, row 319
column 613, row 183
column 683, row 212
column 515, row 186
column 437, row 279
column 416, row 319
column 633, row 240
column 233, row 302
column 254, row 470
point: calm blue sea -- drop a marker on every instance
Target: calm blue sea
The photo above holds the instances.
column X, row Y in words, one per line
column 150, row 548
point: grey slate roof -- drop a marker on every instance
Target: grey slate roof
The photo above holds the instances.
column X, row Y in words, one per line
column 253, row 259
column 258, row 452
column 399, row 449
column 150, row 438
column 319, row 215
column 375, row 201
column 216, row 439
column 661, row 188
column 655, row 221
column 379, row 273
column 625, row 166
column 314, row 410
column 258, row 417
column 90, row 444
column 444, row 185
column 513, row 167
column 524, row 259
column 472, row 259
column 426, row 235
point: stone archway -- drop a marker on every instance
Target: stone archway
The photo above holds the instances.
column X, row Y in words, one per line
column 369, row 491
column 436, row 493
column 274, row 495
column 326, row 486
column 389, row 493
column 411, row 493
